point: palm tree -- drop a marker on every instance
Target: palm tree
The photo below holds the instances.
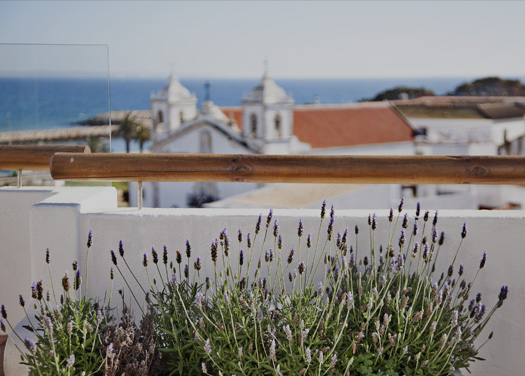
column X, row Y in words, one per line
column 97, row 144
column 128, row 129
column 142, row 135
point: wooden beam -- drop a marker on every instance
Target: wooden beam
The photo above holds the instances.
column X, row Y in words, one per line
column 34, row 157
column 290, row 168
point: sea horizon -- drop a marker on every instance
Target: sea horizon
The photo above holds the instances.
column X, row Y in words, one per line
column 31, row 103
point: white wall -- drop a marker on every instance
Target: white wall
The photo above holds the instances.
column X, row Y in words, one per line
column 62, row 221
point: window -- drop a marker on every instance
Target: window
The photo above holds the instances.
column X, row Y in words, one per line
column 253, row 127
column 181, row 118
column 205, row 142
column 160, row 116
column 278, row 130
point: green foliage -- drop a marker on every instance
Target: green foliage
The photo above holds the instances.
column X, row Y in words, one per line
column 402, row 92
column 383, row 314
column 130, row 129
column 316, row 308
column 69, row 332
column 491, row 86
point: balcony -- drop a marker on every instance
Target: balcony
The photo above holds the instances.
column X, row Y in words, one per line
column 59, row 218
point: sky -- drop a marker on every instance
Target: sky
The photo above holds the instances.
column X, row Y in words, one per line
column 296, row 39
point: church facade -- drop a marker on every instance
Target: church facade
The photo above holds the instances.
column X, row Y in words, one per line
column 268, row 122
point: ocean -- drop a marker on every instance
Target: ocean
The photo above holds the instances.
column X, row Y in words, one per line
column 48, row 103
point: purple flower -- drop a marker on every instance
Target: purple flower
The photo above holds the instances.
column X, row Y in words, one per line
column 2, row 325
column 464, row 231
column 241, row 258
column 213, row 251
column 188, row 249
column 121, row 249
column 30, row 345
column 483, row 260
column 414, row 232
column 300, row 228
column 402, row 238
column 276, row 228
column 269, row 218
column 239, row 235
column 501, row 297
column 330, row 228
column 145, row 260
column 441, row 238
column 323, row 209
column 197, row 264
column 248, row 241
column 90, row 239
column 47, row 256
column 400, row 207
column 154, row 255
column 258, row 224
column 374, row 222
column 186, row 271
column 21, row 299
column 425, row 217
column 391, row 215
column 290, row 256
column 309, row 241
column 207, row 347
column 4, row 313
column 113, row 258
column 280, row 242
column 165, row 255
column 418, row 208
column 404, row 224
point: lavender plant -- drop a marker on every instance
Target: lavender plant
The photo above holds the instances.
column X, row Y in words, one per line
column 66, row 329
column 316, row 308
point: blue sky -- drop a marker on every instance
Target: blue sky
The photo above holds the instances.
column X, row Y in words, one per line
column 298, row 38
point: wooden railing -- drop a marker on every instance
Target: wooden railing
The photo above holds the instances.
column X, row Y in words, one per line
column 289, row 169
column 77, row 163
column 34, row 157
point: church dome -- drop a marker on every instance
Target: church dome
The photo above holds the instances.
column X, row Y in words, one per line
column 268, row 92
column 173, row 92
column 176, row 91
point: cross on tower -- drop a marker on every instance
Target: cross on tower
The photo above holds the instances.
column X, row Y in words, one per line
column 207, row 91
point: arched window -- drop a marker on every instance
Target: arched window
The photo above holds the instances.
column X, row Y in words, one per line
column 278, row 129
column 205, row 142
column 253, row 125
column 160, row 116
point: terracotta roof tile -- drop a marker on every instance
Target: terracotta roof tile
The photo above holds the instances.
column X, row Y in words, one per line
column 327, row 126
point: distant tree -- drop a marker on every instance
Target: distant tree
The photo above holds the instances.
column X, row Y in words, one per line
column 128, row 129
column 402, row 92
column 97, row 144
column 142, row 135
column 491, row 86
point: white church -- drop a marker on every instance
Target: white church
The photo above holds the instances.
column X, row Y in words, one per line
column 268, row 122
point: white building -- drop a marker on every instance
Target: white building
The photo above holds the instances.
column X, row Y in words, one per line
column 268, row 122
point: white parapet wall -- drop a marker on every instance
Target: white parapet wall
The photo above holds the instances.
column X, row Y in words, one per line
column 32, row 220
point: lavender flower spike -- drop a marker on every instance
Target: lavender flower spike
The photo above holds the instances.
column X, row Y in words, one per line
column 207, row 347
column 70, row 361
column 464, row 231
column 400, row 208
column 30, row 345
column 483, row 260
